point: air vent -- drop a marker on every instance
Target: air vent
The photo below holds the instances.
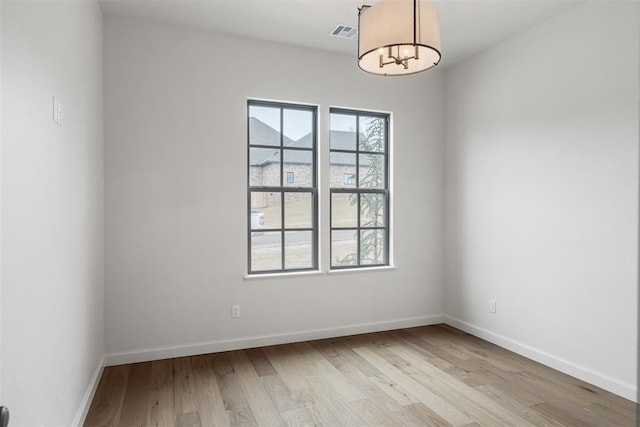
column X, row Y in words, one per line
column 344, row 31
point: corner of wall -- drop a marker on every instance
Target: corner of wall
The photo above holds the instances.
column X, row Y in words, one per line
column 85, row 404
column 1, row 221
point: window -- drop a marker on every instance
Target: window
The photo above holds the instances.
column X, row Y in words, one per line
column 282, row 214
column 349, row 179
column 359, row 144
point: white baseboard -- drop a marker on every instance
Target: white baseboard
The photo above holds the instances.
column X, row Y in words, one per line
column 146, row 355
column 621, row 388
column 88, row 396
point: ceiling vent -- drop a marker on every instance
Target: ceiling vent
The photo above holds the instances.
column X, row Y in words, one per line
column 344, row 31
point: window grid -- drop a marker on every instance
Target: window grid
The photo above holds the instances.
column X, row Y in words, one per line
column 283, row 190
column 360, row 191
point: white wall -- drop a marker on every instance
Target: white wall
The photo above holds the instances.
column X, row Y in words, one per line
column 52, row 208
column 1, row 264
column 542, row 193
column 1, row 351
column 175, row 121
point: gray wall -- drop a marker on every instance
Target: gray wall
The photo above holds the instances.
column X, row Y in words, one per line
column 542, row 193
column 52, row 209
column 176, row 248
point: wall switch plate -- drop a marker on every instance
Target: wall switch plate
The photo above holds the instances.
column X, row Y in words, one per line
column 57, row 111
column 492, row 306
column 235, row 311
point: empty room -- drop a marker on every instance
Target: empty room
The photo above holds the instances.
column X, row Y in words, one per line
column 319, row 212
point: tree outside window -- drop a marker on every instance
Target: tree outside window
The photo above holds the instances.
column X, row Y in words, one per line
column 359, row 208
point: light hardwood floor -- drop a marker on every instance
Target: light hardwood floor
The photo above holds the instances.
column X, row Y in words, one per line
column 432, row 376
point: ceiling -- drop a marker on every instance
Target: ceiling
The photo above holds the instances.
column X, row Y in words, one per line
column 467, row 26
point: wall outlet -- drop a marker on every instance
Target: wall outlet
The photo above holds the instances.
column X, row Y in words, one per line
column 235, row 311
column 492, row 306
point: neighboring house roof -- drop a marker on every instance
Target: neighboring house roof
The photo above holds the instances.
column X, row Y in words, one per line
column 340, row 140
column 263, row 134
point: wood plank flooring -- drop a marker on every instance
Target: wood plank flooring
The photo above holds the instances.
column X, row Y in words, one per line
column 427, row 376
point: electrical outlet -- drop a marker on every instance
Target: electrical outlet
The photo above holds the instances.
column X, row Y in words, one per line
column 235, row 311
column 492, row 306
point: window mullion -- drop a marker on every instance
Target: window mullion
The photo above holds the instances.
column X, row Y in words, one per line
column 282, row 202
column 359, row 232
column 281, row 147
column 282, row 208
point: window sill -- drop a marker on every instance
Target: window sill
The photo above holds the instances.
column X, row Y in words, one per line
column 283, row 275
column 362, row 269
column 318, row 272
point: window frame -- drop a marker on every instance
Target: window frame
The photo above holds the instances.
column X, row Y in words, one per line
column 386, row 191
column 283, row 188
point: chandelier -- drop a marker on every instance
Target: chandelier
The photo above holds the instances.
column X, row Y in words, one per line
column 398, row 37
